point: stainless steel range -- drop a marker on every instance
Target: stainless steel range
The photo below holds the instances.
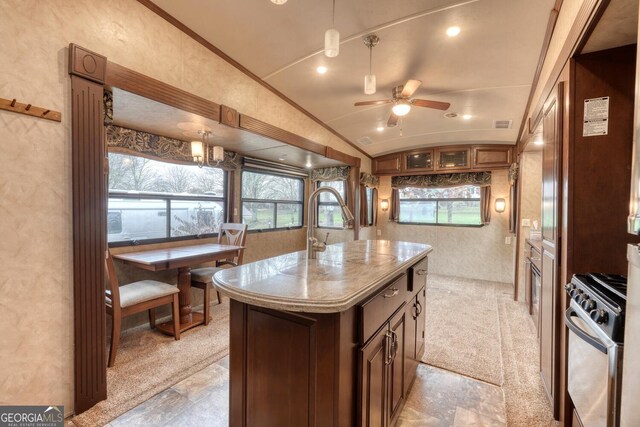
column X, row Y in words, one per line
column 595, row 319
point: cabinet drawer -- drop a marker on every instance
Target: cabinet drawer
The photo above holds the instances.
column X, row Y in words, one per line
column 377, row 311
column 418, row 275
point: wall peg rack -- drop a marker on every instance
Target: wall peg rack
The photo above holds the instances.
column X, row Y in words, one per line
column 30, row 110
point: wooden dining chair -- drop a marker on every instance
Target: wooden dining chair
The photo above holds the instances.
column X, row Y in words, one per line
column 144, row 295
column 230, row 234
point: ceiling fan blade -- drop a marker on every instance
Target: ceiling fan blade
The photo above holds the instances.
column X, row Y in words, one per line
column 431, row 104
column 380, row 102
column 393, row 120
column 410, row 87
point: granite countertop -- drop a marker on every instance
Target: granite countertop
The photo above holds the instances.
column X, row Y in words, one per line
column 338, row 279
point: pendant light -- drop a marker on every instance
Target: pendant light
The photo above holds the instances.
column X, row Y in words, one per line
column 370, row 79
column 200, row 151
column 332, row 37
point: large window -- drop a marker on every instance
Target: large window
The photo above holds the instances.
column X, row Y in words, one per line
column 441, row 206
column 271, row 201
column 329, row 212
column 152, row 201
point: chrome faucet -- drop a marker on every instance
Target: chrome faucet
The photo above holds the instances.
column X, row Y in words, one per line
column 313, row 245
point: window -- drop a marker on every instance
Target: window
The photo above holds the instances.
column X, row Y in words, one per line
column 151, row 201
column 271, row 201
column 441, row 206
column 329, row 212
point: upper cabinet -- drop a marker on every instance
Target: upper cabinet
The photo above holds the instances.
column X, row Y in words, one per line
column 387, row 165
column 460, row 158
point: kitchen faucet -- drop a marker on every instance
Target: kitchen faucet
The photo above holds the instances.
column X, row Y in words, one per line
column 313, row 245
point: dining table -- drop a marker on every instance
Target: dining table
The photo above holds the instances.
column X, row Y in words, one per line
column 182, row 258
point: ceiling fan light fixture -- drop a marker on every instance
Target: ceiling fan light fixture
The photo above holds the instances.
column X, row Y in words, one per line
column 331, row 43
column 401, row 108
column 370, row 84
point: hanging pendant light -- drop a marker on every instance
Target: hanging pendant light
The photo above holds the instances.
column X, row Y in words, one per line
column 370, row 79
column 332, row 37
column 200, row 151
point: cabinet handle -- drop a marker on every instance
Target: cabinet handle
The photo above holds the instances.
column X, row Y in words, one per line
column 415, row 313
column 421, row 272
column 394, row 346
column 388, row 344
column 419, row 308
column 394, row 292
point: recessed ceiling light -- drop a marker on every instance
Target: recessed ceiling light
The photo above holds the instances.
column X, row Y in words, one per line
column 453, row 31
column 278, row 2
column 308, row 165
column 467, row 116
column 380, row 128
column 538, row 141
column 321, row 69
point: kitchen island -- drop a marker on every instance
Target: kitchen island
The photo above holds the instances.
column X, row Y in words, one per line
column 330, row 341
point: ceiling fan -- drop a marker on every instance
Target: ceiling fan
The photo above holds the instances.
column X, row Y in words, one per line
column 401, row 98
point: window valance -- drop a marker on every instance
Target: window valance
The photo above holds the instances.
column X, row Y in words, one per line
column 135, row 142
column 334, row 173
column 481, row 179
column 369, row 180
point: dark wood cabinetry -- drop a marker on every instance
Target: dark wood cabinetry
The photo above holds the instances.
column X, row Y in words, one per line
column 373, row 363
column 550, row 289
column 459, row 158
column 387, row 165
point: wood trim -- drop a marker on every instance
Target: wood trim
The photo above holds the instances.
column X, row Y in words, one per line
column 134, row 82
column 86, row 64
column 265, row 129
column 229, row 117
column 89, row 242
column 516, row 280
column 195, row 36
column 588, row 12
column 332, row 153
column 551, row 25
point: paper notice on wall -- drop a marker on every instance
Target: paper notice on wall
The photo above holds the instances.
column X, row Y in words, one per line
column 596, row 117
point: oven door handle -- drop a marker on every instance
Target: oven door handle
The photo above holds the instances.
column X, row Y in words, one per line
column 580, row 333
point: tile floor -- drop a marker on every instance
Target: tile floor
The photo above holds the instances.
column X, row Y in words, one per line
column 437, row 398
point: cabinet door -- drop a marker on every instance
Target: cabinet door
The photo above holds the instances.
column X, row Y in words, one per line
column 410, row 362
column 492, row 157
column 453, row 159
column 397, row 327
column 374, row 358
column 547, row 322
column 386, row 165
column 417, row 161
column 420, row 322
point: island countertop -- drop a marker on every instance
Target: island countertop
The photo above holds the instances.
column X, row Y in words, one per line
column 338, row 279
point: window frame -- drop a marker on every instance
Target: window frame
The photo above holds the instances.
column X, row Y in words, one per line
column 320, row 203
column 437, row 201
column 370, row 207
column 168, row 198
column 273, row 201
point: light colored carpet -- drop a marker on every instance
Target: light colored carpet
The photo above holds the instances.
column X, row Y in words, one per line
column 149, row 362
column 462, row 327
column 525, row 398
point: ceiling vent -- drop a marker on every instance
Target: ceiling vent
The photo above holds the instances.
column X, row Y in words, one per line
column 365, row 140
column 502, row 124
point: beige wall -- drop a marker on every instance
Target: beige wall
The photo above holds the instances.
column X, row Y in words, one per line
column 478, row 253
column 36, row 293
column 531, row 205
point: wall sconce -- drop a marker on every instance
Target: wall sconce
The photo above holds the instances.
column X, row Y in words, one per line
column 200, row 151
column 501, row 204
column 384, row 205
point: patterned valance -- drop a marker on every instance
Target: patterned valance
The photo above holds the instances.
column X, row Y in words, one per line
column 147, row 144
column 513, row 173
column 369, row 180
column 334, row 173
column 481, row 179
column 107, row 99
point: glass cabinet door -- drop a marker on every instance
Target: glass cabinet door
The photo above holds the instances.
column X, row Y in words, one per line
column 453, row 159
column 419, row 161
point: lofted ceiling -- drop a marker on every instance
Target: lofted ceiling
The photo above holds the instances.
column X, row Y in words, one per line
column 486, row 71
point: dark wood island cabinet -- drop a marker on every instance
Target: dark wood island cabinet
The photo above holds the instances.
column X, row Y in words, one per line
column 328, row 342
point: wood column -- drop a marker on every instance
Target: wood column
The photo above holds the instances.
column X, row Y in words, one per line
column 87, row 71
